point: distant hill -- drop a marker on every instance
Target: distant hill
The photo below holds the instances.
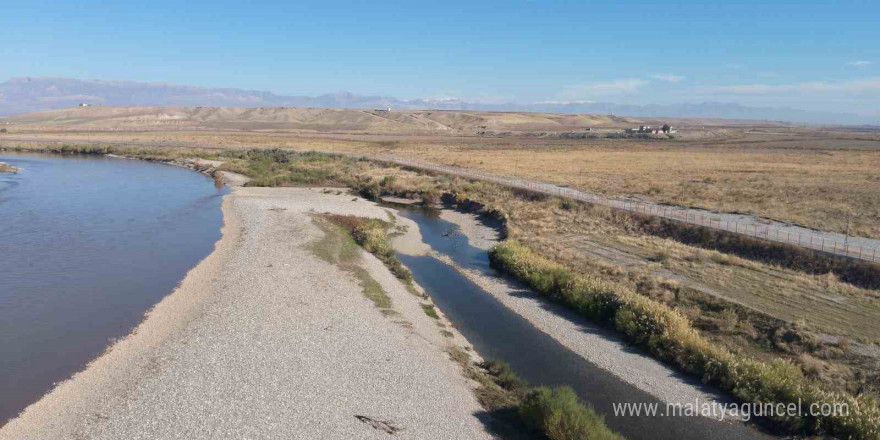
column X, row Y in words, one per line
column 311, row 119
column 25, row 95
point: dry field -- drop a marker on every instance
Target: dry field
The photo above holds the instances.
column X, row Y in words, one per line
column 808, row 180
column 814, row 188
column 759, row 310
column 815, row 177
column 824, row 326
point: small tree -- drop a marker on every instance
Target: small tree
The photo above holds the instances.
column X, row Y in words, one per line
column 666, row 128
column 3, row 130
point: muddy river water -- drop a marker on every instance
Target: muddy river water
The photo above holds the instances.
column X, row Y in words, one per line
column 87, row 245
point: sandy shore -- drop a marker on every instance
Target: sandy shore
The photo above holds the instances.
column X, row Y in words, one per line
column 264, row 340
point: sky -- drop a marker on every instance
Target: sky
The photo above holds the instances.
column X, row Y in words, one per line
column 806, row 55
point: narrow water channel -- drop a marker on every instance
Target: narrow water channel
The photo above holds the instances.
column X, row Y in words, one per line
column 499, row 333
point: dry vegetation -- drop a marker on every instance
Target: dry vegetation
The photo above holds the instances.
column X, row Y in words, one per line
column 808, row 187
column 810, row 328
column 813, row 329
column 807, row 176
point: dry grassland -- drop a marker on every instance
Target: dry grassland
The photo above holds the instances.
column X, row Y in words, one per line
column 815, row 180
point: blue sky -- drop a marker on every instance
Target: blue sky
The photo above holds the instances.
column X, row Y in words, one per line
column 810, row 55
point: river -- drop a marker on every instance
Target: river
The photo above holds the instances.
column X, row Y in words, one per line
column 87, row 245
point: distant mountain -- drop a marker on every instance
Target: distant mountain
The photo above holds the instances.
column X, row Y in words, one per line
column 24, row 95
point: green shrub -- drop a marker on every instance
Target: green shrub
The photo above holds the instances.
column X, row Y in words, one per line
column 372, row 235
column 387, row 181
column 371, row 191
column 503, row 375
column 567, row 203
column 558, row 415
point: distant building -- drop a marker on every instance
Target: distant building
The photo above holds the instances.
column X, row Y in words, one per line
column 83, row 104
column 640, row 129
column 383, row 110
column 646, row 129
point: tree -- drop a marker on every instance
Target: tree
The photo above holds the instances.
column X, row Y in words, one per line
column 666, row 128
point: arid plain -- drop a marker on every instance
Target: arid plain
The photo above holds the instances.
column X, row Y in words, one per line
column 820, row 177
column 826, row 178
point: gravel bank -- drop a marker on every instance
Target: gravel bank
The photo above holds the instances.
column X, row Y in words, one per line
column 265, row 340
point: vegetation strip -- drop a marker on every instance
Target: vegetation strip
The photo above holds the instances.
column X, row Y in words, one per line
column 669, row 336
column 337, row 247
column 856, row 272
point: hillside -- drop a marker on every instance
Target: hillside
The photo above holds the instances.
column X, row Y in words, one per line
column 310, row 119
column 29, row 94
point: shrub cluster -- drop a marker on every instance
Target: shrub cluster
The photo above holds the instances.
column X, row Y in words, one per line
column 669, row 336
column 372, row 235
column 554, row 414
column 557, row 414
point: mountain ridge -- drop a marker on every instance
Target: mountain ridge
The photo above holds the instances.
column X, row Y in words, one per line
column 21, row 95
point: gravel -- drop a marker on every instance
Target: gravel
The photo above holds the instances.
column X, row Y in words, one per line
column 264, row 340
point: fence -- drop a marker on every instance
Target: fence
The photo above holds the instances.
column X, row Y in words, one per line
column 780, row 234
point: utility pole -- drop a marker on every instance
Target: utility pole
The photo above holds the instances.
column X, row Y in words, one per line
column 849, row 217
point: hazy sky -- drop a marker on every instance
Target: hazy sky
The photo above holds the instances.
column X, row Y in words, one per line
column 810, row 55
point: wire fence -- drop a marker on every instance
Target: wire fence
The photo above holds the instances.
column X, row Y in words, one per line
column 780, row 234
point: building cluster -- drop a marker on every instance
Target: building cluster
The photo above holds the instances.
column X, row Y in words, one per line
column 646, row 129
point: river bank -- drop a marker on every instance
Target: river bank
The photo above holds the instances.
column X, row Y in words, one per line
column 88, row 244
column 265, row 339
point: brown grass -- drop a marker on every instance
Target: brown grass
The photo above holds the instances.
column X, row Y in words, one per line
column 812, row 188
column 807, row 177
column 778, row 311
